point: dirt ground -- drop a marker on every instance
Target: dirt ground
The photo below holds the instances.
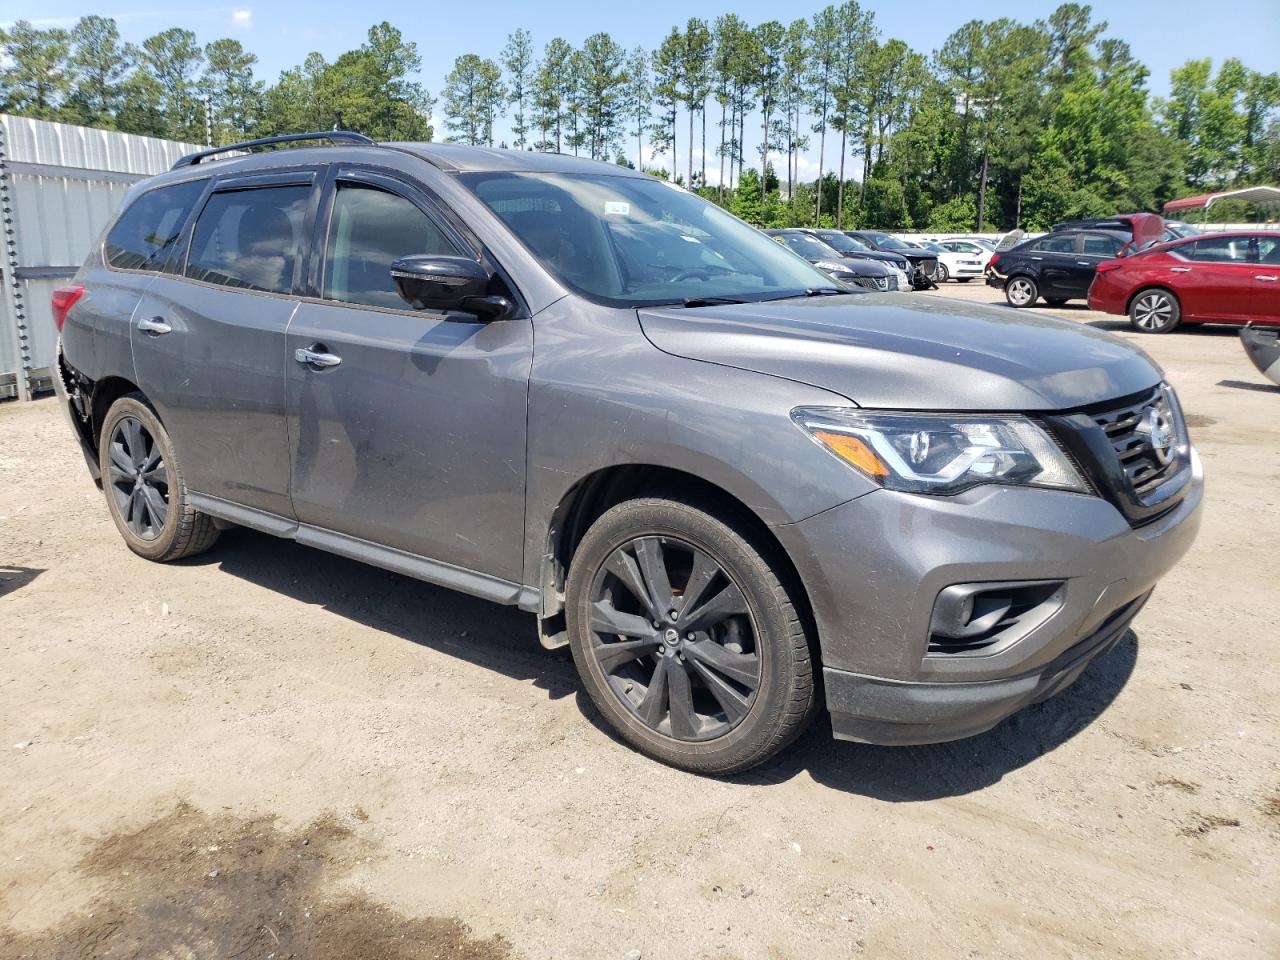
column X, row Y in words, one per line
column 271, row 752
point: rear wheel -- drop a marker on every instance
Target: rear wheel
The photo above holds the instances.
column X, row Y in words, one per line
column 1021, row 291
column 687, row 638
column 143, row 484
column 1155, row 311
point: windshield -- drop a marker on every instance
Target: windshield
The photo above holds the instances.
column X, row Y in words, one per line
column 887, row 242
column 843, row 242
column 809, row 247
column 632, row 241
column 930, row 245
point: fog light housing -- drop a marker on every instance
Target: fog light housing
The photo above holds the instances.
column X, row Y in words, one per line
column 983, row 618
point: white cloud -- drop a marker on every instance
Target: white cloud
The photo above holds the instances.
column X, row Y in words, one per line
column 242, row 19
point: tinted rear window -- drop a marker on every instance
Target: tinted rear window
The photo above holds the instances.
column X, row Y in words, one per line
column 250, row 238
column 147, row 231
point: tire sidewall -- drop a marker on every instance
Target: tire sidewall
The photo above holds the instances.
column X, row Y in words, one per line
column 652, row 517
column 132, row 406
column 942, row 274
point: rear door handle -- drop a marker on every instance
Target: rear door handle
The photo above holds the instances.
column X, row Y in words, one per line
column 156, row 325
column 1267, row 278
column 1084, row 263
column 1179, row 269
column 1037, row 258
column 316, row 356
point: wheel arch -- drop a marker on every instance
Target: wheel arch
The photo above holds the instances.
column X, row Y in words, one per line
column 106, row 392
column 584, row 502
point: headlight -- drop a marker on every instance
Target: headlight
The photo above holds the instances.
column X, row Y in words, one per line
column 940, row 453
column 832, row 267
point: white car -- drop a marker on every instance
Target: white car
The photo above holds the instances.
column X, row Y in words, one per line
column 962, row 252
column 958, row 260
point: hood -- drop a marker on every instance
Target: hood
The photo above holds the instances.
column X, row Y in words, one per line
column 883, row 256
column 906, row 353
column 865, row 268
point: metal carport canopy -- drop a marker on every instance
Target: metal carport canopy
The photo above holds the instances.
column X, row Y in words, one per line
column 1265, row 197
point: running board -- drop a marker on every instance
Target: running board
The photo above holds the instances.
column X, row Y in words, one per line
column 388, row 558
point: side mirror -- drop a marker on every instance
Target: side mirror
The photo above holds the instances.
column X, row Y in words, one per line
column 455, row 284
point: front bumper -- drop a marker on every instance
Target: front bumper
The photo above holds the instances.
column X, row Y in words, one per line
column 874, row 567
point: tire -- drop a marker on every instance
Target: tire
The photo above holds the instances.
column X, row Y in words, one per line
column 738, row 692
column 1021, row 291
column 143, row 484
column 1155, row 310
column 941, row 274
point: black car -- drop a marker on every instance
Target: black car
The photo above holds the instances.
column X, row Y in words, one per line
column 924, row 263
column 1058, row 266
column 850, row 247
column 858, row 272
column 1141, row 230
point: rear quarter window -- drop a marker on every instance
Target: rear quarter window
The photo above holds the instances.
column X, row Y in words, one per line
column 148, row 230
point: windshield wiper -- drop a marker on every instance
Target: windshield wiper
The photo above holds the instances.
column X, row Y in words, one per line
column 709, row 301
column 813, row 292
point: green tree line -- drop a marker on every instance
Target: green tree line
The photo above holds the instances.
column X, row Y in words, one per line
column 1006, row 124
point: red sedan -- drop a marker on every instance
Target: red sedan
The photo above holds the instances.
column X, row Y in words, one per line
column 1214, row 278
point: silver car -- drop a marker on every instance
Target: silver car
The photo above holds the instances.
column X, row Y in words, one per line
column 736, row 492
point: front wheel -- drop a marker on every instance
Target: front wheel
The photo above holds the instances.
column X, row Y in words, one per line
column 1155, row 311
column 940, row 273
column 687, row 637
column 146, row 494
column 1021, row 291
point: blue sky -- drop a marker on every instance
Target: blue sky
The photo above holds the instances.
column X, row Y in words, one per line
column 1162, row 33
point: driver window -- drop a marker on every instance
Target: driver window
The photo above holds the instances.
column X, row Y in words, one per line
column 368, row 229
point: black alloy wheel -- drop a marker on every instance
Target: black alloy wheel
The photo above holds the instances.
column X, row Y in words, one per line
column 138, row 478
column 672, row 633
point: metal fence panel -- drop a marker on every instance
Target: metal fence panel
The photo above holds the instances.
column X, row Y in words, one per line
column 59, row 187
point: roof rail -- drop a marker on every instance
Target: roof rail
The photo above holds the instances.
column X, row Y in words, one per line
column 334, row 136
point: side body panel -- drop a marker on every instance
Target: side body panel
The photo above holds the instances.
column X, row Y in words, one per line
column 416, row 440
column 217, row 381
column 95, row 337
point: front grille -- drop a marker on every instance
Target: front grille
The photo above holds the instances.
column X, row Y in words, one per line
column 1128, row 429
column 867, row 283
column 1134, row 451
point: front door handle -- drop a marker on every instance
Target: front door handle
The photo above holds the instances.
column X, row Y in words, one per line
column 1179, row 269
column 316, row 356
column 1037, row 258
column 156, row 325
column 1266, row 278
column 1084, row 263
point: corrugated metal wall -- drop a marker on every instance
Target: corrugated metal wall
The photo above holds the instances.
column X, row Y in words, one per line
column 59, row 186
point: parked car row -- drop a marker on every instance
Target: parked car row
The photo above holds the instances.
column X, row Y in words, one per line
column 1219, row 277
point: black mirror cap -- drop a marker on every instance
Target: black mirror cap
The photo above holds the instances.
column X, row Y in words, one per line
column 451, row 284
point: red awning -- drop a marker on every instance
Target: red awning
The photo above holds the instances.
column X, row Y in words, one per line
column 1265, row 197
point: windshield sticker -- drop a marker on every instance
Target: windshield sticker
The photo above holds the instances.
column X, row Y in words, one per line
column 621, row 208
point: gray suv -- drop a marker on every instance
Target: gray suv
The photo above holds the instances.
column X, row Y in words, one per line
column 736, row 492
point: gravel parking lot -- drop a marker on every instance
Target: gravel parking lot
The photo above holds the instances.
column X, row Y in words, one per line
column 270, row 751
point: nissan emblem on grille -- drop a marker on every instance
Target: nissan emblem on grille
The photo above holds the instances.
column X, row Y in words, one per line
column 1156, row 426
